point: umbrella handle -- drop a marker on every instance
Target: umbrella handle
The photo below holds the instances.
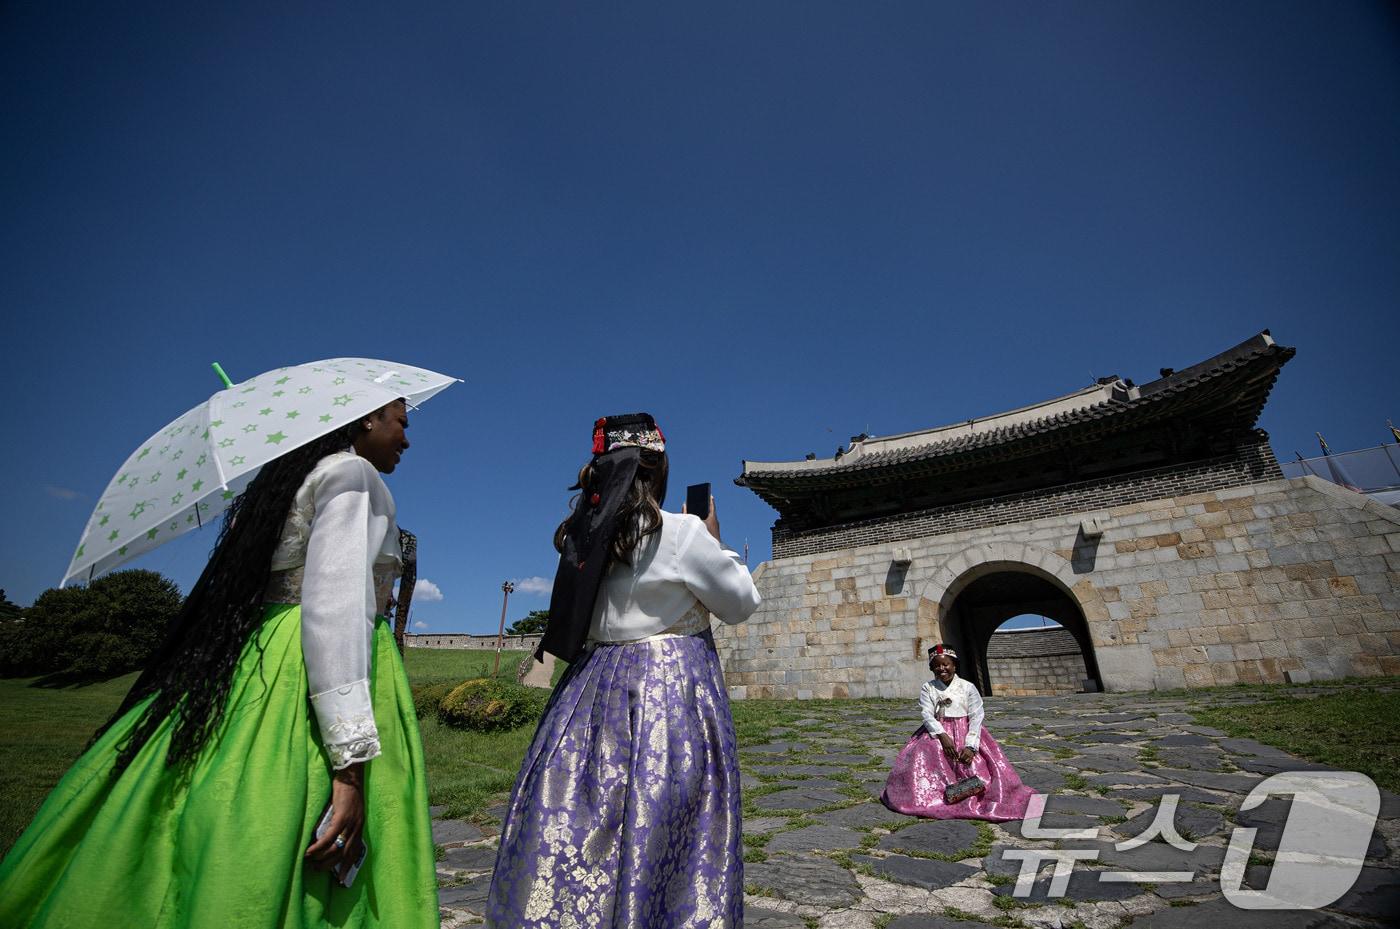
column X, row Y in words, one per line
column 222, row 376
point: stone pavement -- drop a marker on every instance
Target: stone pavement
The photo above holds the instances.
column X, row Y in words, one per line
column 822, row 853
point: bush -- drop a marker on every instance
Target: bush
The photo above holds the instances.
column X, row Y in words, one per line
column 489, row 704
column 427, row 698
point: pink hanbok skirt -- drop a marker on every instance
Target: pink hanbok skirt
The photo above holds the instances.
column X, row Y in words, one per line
column 915, row 786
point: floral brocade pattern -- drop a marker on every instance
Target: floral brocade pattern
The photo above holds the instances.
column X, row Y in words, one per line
column 626, row 812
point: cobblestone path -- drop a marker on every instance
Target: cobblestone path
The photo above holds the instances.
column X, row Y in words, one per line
column 822, row 853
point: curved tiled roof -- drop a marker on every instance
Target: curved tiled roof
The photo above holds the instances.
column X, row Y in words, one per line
column 1227, row 391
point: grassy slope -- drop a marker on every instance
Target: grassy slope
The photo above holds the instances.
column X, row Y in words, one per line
column 468, row 770
column 1358, row 730
column 42, row 732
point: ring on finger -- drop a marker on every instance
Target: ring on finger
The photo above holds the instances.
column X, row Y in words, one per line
column 340, row 841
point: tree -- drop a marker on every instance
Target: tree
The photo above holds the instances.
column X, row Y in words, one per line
column 532, row 624
column 125, row 622
column 36, row 642
column 8, row 610
column 107, row 628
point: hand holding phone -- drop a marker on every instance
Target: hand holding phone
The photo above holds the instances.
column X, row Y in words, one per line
column 344, row 874
column 699, row 502
column 338, row 842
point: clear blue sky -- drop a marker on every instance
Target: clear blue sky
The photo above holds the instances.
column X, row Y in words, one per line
column 771, row 225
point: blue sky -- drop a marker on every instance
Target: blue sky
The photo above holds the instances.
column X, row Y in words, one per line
column 773, row 226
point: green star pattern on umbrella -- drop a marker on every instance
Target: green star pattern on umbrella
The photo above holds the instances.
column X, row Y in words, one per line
column 197, row 449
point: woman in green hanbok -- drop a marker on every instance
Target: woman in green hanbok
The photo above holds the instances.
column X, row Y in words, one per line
column 276, row 704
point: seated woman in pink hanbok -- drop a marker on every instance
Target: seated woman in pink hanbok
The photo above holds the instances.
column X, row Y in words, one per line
column 949, row 748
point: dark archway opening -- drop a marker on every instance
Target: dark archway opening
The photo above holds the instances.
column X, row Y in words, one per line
column 990, row 600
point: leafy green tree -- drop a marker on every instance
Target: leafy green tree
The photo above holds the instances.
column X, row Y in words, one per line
column 8, row 610
column 36, row 642
column 533, row 624
column 107, row 628
column 124, row 623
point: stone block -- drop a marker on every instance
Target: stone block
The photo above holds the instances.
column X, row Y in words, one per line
column 1190, row 550
column 1343, row 586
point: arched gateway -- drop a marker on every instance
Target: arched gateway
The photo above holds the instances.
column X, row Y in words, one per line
column 1152, row 522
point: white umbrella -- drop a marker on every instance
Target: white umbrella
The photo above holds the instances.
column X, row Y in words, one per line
column 188, row 473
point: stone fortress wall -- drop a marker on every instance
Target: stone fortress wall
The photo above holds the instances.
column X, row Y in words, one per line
column 1036, row 662
column 478, row 642
column 1259, row 580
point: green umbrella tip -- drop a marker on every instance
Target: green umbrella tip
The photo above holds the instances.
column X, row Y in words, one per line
column 222, row 376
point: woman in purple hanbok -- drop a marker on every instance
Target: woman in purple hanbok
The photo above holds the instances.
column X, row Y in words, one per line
column 950, row 747
column 626, row 809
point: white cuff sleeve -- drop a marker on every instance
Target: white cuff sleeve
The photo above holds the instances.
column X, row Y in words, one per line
column 346, row 720
column 718, row 577
column 353, row 512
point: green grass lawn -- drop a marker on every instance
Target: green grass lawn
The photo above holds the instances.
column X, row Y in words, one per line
column 43, row 731
column 458, row 664
column 468, row 771
column 1355, row 730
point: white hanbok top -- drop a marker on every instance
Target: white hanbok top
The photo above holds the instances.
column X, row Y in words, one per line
column 672, row 569
column 342, row 535
column 957, row 698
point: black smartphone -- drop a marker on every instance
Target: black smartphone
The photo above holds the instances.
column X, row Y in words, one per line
column 697, row 500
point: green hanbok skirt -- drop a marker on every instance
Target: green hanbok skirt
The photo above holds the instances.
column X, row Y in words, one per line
column 220, row 843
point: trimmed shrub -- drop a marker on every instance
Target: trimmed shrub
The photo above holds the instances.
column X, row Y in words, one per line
column 427, row 698
column 489, row 704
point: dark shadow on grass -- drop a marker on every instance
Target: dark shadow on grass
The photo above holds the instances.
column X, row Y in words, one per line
column 65, row 680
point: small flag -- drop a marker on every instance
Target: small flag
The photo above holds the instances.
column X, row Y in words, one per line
column 1323, row 442
column 1393, row 431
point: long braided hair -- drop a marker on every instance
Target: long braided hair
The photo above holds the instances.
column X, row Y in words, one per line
column 191, row 672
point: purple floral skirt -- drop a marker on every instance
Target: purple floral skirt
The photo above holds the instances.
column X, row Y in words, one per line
column 626, row 809
column 921, row 771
